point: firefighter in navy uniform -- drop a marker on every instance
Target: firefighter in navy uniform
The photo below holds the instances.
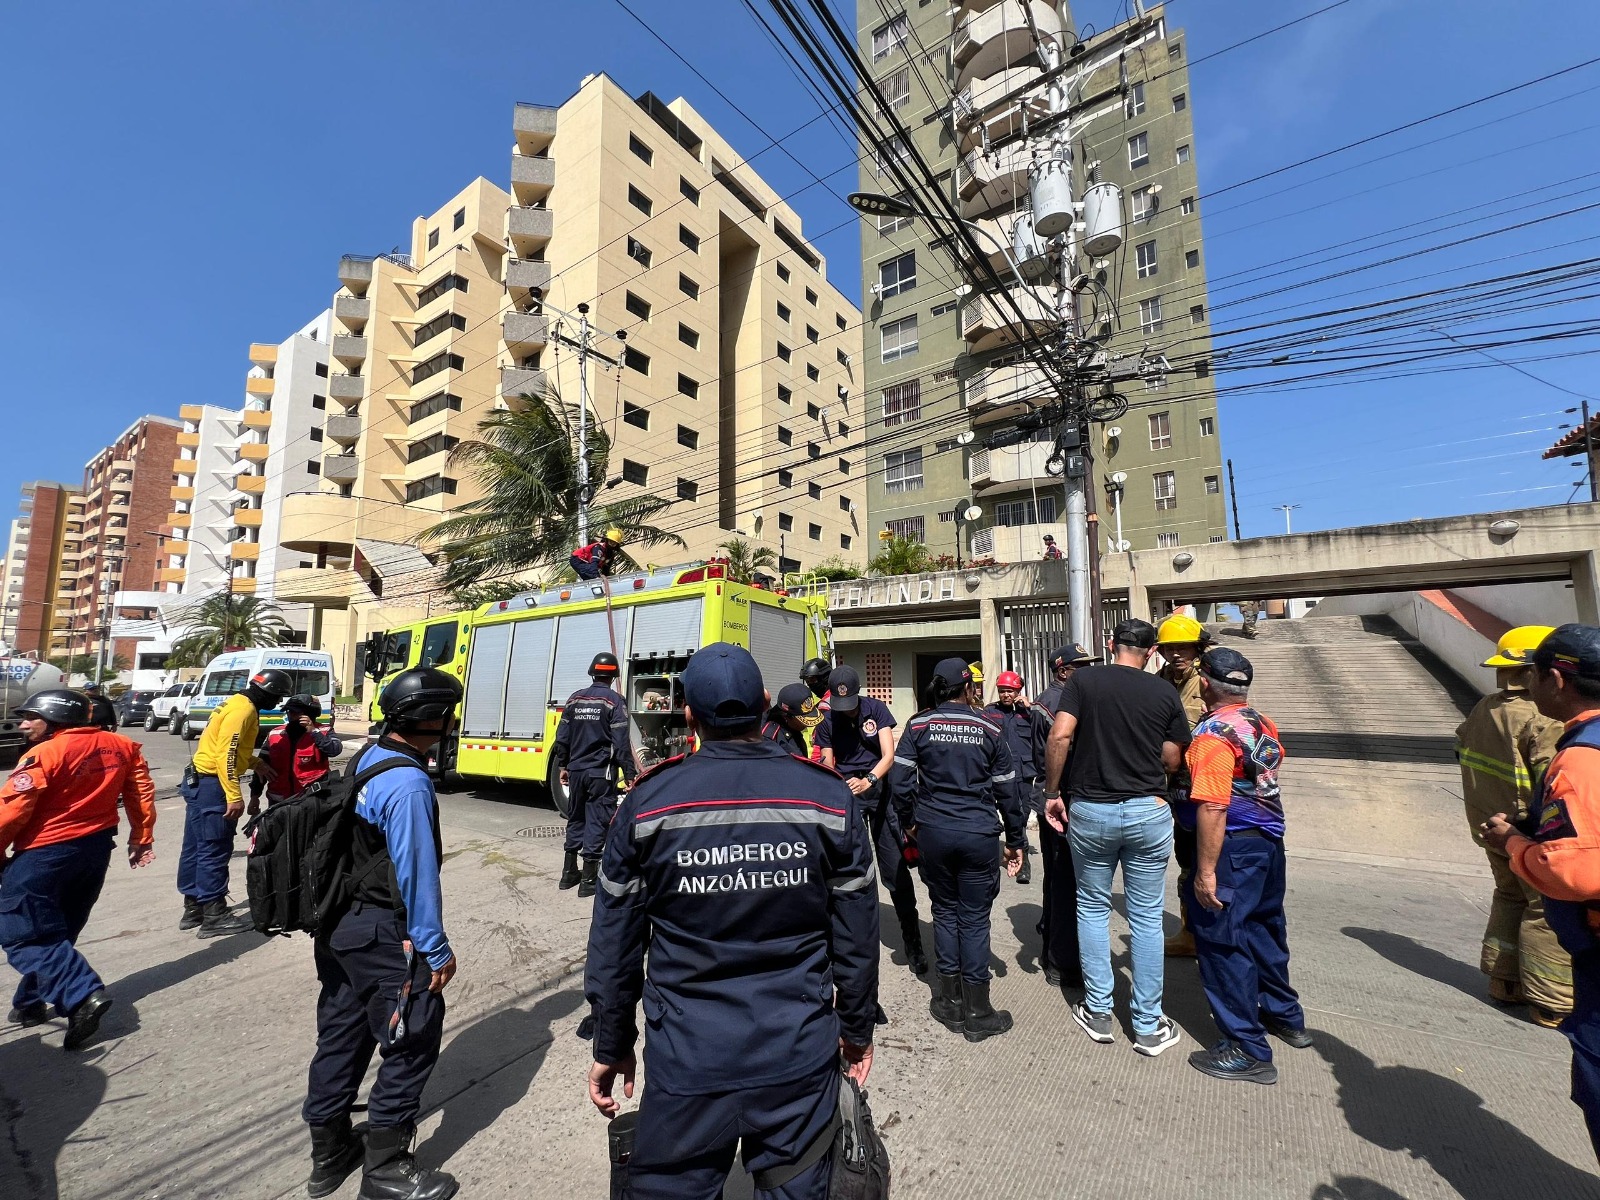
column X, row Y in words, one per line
column 592, row 743
column 737, row 900
column 954, row 772
column 385, row 962
column 1025, row 727
column 1058, row 923
column 1063, row 662
column 796, row 711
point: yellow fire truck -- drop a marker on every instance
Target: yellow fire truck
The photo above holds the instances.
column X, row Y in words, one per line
column 520, row 659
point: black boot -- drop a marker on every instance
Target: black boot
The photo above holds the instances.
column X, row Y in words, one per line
column 336, row 1150
column 569, row 871
column 946, row 1003
column 591, row 870
column 217, row 921
column 30, row 1015
column 392, row 1174
column 979, row 1018
column 84, row 1022
column 1025, row 875
column 191, row 913
column 911, row 935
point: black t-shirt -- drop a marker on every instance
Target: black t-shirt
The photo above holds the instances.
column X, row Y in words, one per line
column 1124, row 714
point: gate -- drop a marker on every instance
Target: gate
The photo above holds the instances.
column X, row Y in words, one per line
column 1028, row 632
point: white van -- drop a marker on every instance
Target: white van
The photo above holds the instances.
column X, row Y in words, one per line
column 311, row 670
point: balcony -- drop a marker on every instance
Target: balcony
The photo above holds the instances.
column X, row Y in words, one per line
column 1017, row 543
column 185, row 466
column 191, row 412
column 1001, row 36
column 256, row 418
column 534, row 126
column 327, row 587
column 255, row 452
column 244, row 551
column 260, row 385
column 1011, row 464
column 339, row 468
column 994, row 240
column 180, row 493
column 987, row 321
column 531, row 178
column 250, row 485
column 517, row 381
column 524, row 276
column 1004, row 392
column 529, row 229
column 172, row 575
column 991, row 180
column 311, row 522
column 349, row 349
column 247, row 518
column 1007, row 119
column 525, row 332
column 189, row 441
column 172, row 546
column 355, row 272
column 962, row 9
column 243, row 585
column 121, row 502
column 263, row 354
column 347, row 389
column 344, row 430
column 352, row 310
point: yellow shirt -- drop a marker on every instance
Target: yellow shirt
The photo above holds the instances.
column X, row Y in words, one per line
column 227, row 746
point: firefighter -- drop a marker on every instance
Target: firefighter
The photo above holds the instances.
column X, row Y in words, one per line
column 591, row 745
column 58, row 812
column 1249, row 614
column 975, row 692
column 815, row 676
column 1503, row 747
column 1063, row 662
column 210, row 788
column 299, row 754
column 1026, row 727
column 599, row 557
column 1180, row 640
column 795, row 712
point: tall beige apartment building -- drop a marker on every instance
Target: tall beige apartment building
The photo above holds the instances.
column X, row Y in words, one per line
column 734, row 389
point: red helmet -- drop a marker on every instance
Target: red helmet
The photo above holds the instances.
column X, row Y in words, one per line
column 1009, row 679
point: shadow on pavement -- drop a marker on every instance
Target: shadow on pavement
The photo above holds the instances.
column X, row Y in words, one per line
column 1354, row 1187
column 1025, row 925
column 495, row 1082
column 46, row 1094
column 1422, row 960
column 1479, row 1155
column 130, row 989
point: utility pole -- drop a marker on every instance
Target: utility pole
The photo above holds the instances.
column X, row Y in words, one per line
column 1286, row 509
column 1233, row 496
column 583, row 424
column 1588, row 454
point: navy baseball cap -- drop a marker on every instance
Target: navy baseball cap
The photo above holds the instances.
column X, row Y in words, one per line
column 845, row 688
column 798, row 701
column 1141, row 635
column 1572, row 650
column 1227, row 666
column 953, row 672
column 722, row 684
column 1070, row 655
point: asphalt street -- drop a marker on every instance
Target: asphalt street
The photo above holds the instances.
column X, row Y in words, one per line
column 1417, row 1086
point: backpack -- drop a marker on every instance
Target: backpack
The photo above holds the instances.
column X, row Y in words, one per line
column 297, row 875
column 860, row 1159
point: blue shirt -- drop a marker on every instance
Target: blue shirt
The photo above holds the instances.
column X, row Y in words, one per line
column 401, row 804
column 853, row 737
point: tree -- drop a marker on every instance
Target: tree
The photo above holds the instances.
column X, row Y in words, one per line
column 476, row 595
column 901, row 556
column 83, row 664
column 834, row 569
column 746, row 558
column 221, row 622
column 527, row 465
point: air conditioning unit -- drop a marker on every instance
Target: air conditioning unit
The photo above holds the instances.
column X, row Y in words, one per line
column 983, row 544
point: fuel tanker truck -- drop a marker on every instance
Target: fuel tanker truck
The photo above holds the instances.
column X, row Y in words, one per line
column 19, row 679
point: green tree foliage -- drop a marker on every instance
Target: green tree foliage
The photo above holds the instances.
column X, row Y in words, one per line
column 901, row 556
column 746, row 558
column 476, row 595
column 835, row 569
column 222, row 622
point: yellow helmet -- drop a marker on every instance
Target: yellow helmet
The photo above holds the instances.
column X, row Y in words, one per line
column 614, row 536
column 1178, row 629
column 977, row 671
column 1517, row 646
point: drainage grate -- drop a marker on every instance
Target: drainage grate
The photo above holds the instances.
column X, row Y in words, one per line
column 542, row 831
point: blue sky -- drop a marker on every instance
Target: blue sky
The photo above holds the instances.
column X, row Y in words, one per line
column 181, row 179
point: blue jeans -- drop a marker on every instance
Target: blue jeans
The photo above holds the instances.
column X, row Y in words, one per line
column 45, row 898
column 1137, row 834
column 207, row 842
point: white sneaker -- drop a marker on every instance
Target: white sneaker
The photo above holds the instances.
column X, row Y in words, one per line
column 1152, row 1044
column 1033, row 820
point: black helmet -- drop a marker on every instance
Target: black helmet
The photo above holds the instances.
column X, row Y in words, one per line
column 310, row 705
column 267, row 689
column 103, row 713
column 418, row 695
column 815, row 668
column 63, row 707
column 604, row 666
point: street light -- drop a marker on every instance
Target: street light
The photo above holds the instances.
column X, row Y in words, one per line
column 877, row 204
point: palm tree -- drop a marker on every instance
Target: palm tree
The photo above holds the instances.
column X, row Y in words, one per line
column 526, row 462
column 222, row 622
column 745, row 559
column 901, row 556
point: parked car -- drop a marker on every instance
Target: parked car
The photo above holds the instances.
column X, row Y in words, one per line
column 169, row 703
column 133, row 707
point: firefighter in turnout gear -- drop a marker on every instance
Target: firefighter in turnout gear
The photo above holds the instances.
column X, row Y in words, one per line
column 1181, row 640
column 1503, row 747
column 738, row 904
column 591, row 745
column 793, row 714
column 598, row 557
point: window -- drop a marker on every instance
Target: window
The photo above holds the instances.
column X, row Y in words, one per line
column 437, row 403
column 888, row 38
column 638, row 306
column 814, row 490
column 429, row 446
column 1150, row 315
column 688, row 287
column 1197, row 314
column 897, row 275
column 688, row 489
column 640, row 253
column 636, row 473
column 1155, row 383
column 1145, row 257
column 783, row 273
column 785, row 395
column 688, row 336
column 939, row 310
column 1139, row 150
column 433, row 485
column 844, row 430
column 783, row 312
column 319, row 402
column 1175, row 51
column 322, row 370
column 316, row 434
column 902, row 403
column 438, row 644
column 1160, row 431
column 811, row 299
column 1217, row 537
column 689, row 238
column 635, row 414
column 899, row 339
column 838, row 319
column 1144, row 203
column 1191, row 259
column 689, row 438
column 433, row 239
column 688, row 387
column 640, row 150
column 909, row 528
column 1133, row 106
column 1213, row 485
column 814, row 531
column 1166, row 490
column 812, row 372
column 786, row 522
column 1011, row 513
column 1187, row 206
column 812, row 335
column 636, row 359
column 846, row 504
column 814, row 450
column 459, row 219
column 784, row 352
column 450, row 282
column 1166, row 541
column 813, row 411
column 902, row 470
column 894, row 223
column 896, row 87
column 688, row 191
column 1179, row 102
column 844, row 359
column 639, row 200
column 314, row 467
column 433, row 328
column 439, row 362
column 1208, row 426
column 785, row 436
column 844, row 541
column 1183, row 153
column 892, row 150
column 785, row 478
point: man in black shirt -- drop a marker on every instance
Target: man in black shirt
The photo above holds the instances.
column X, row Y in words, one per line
column 1126, row 731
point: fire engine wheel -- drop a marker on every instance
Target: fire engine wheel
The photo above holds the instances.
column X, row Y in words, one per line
column 559, row 795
